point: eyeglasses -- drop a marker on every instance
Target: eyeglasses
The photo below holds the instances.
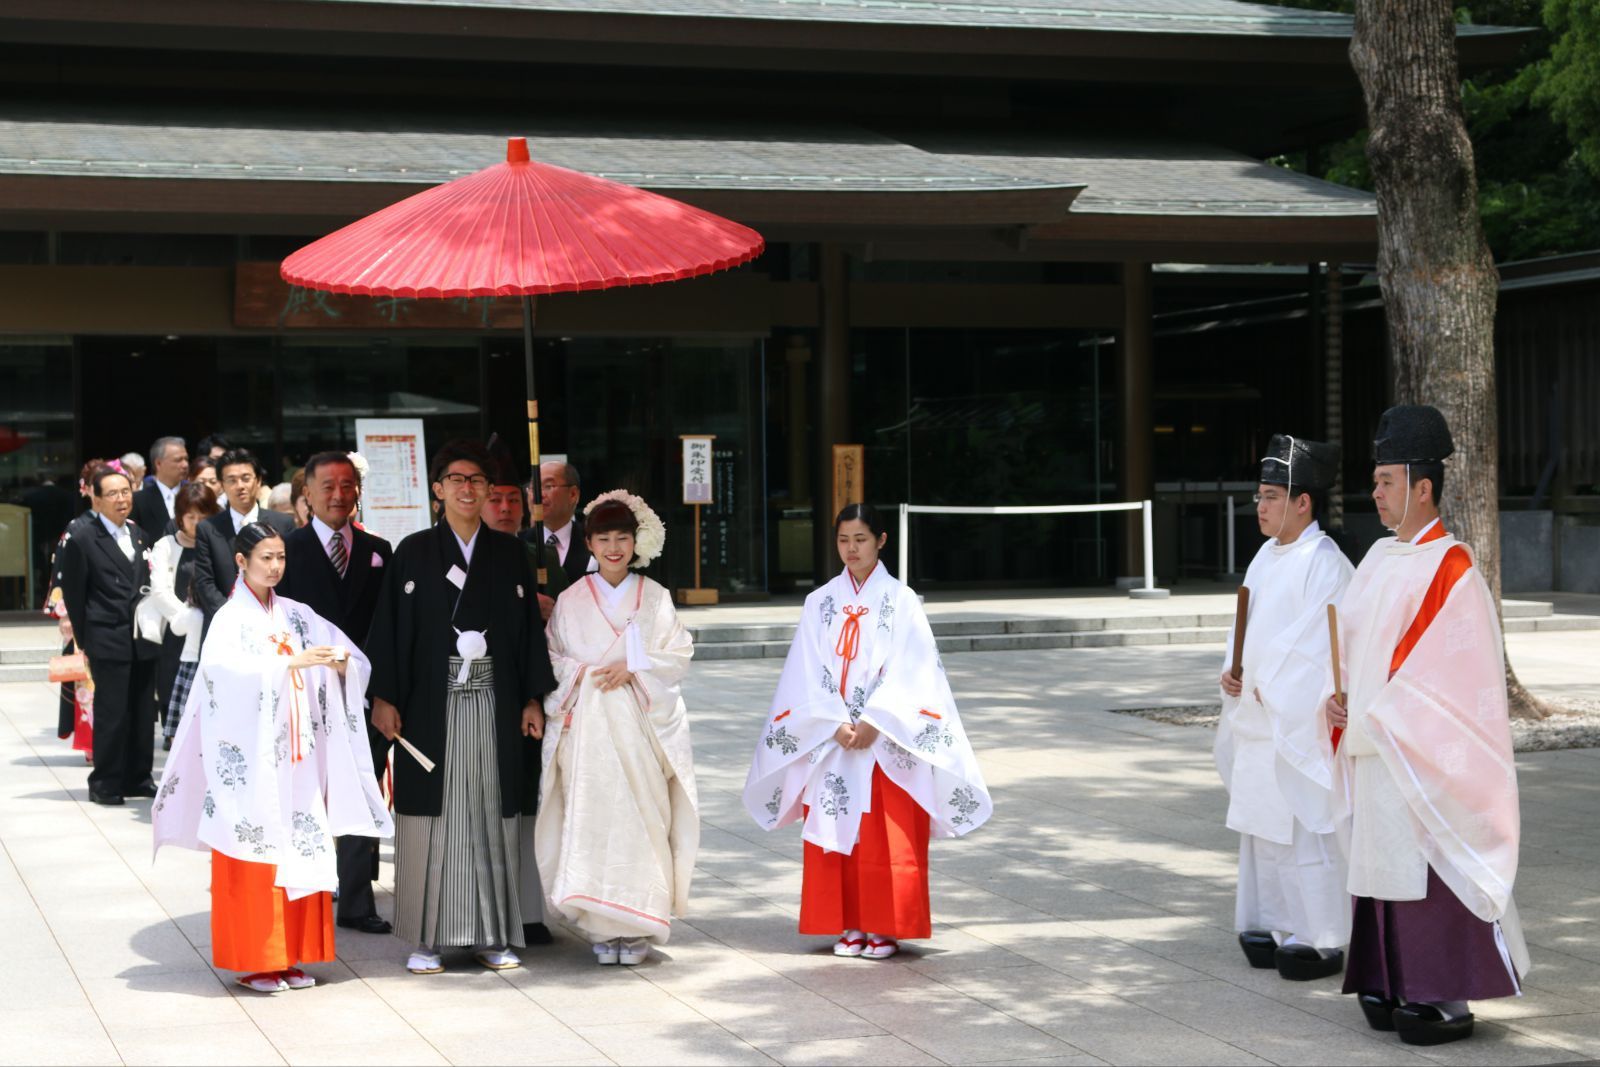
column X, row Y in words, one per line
column 1258, row 498
column 456, row 481
column 239, row 479
column 116, row 494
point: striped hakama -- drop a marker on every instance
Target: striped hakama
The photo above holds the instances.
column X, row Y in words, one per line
column 457, row 874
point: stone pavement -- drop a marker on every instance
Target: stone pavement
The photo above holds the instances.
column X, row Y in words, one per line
column 1089, row 922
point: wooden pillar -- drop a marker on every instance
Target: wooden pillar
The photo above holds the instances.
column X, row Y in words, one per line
column 833, row 397
column 1135, row 348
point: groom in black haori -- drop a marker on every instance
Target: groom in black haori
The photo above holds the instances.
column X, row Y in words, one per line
column 459, row 669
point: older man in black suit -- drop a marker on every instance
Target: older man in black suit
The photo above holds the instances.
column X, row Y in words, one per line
column 103, row 569
column 153, row 505
column 338, row 571
column 559, row 492
column 214, row 570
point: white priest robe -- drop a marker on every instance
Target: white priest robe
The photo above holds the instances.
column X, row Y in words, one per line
column 619, row 821
column 1427, row 776
column 1273, row 748
column 863, row 653
column 270, row 763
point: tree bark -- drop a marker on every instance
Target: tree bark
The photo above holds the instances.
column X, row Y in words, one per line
column 1434, row 266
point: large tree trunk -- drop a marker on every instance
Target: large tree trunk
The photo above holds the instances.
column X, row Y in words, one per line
column 1434, row 266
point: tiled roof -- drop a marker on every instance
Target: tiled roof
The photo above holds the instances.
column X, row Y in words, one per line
column 1231, row 17
column 1149, row 177
column 1122, row 176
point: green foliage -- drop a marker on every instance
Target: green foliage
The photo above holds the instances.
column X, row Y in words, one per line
column 1535, row 129
column 1570, row 86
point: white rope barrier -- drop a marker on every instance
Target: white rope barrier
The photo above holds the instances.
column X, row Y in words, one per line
column 1149, row 589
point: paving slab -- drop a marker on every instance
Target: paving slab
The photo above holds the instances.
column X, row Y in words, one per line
column 1090, row 922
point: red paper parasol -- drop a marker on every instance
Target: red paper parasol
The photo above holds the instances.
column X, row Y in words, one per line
column 521, row 228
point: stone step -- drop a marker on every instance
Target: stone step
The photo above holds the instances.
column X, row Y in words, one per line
column 16, row 656
column 994, row 642
column 24, row 672
column 1550, row 623
column 1526, row 609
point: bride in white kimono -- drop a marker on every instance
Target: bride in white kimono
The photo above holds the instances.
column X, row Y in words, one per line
column 619, row 823
column 864, row 743
column 269, row 765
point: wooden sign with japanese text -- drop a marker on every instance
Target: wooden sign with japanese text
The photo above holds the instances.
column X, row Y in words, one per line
column 697, row 468
column 849, row 481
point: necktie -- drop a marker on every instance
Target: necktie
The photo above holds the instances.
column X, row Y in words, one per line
column 552, row 541
column 338, row 554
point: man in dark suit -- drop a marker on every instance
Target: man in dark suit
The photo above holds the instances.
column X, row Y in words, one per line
column 153, row 505
column 103, row 569
column 214, row 570
column 563, row 530
column 338, row 571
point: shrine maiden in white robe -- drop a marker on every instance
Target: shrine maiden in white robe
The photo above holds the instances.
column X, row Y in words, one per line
column 270, row 763
column 863, row 653
column 1427, row 775
column 619, row 821
column 1273, row 748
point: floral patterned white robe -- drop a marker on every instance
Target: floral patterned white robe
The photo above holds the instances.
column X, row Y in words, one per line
column 269, row 764
column 896, row 683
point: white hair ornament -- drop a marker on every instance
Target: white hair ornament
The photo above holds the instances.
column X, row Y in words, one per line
column 651, row 539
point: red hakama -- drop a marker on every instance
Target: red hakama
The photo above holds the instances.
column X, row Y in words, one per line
column 881, row 887
column 256, row 928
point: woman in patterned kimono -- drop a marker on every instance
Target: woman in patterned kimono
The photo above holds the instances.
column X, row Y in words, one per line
column 864, row 743
column 269, row 765
column 619, row 822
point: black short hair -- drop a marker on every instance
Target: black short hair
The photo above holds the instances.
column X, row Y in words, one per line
column 457, row 451
column 1434, row 473
column 101, row 473
column 610, row 516
column 327, row 459
column 216, row 440
column 865, row 513
column 252, row 534
column 239, row 457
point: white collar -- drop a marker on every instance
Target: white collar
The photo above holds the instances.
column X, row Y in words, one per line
column 1417, row 540
column 850, row 579
column 468, row 544
column 168, row 494
column 326, row 533
column 615, row 593
column 112, row 528
column 241, row 521
column 1309, row 534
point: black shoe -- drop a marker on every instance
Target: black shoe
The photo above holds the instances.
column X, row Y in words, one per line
column 368, row 924
column 1423, row 1024
column 110, row 800
column 536, row 934
column 1302, row 963
column 147, row 790
column 166, row 744
column 1259, row 948
column 1378, row 1009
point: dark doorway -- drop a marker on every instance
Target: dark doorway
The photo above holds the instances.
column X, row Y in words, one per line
column 136, row 389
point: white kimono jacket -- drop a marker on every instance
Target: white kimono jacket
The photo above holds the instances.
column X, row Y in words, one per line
column 895, row 682
column 1274, row 753
column 270, row 764
column 1427, row 776
column 619, row 822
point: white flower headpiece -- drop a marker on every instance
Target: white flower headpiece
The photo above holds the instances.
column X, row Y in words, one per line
column 651, row 539
column 359, row 462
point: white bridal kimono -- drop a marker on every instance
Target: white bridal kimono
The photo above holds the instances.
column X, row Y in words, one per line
column 619, row 821
column 1274, row 752
column 863, row 653
column 270, row 764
